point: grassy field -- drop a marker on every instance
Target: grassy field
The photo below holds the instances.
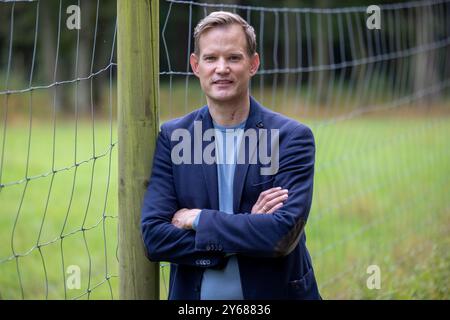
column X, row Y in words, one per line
column 380, row 198
column 66, row 217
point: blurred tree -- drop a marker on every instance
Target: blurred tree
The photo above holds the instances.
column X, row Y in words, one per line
column 79, row 63
column 84, row 54
column 424, row 68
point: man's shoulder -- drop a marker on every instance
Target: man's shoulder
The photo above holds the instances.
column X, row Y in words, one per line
column 275, row 120
column 183, row 122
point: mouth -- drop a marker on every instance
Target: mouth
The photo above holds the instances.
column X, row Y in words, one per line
column 222, row 82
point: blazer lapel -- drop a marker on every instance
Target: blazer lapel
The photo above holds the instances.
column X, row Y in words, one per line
column 209, row 170
column 254, row 121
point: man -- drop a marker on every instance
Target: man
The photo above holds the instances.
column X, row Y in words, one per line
column 232, row 228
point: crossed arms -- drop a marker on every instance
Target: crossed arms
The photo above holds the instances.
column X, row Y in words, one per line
column 268, row 202
column 167, row 229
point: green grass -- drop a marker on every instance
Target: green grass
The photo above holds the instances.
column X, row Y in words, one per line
column 64, row 225
column 380, row 197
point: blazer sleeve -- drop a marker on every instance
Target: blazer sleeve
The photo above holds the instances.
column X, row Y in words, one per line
column 268, row 235
column 164, row 241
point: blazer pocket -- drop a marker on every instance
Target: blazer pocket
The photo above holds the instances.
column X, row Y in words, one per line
column 304, row 288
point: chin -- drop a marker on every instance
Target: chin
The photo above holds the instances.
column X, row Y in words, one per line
column 224, row 97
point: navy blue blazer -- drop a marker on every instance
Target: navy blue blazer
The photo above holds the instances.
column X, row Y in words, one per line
column 272, row 256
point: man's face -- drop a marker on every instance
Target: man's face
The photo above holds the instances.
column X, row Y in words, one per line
column 223, row 64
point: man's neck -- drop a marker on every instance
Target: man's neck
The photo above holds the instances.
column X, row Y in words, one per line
column 229, row 113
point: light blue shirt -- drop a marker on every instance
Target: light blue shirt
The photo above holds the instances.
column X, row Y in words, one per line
column 224, row 284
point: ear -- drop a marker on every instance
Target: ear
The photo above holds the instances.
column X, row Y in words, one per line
column 254, row 64
column 193, row 59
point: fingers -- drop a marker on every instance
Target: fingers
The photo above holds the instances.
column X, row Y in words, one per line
column 184, row 218
column 177, row 220
column 279, row 199
column 267, row 193
column 176, row 223
column 270, row 200
column 270, row 194
column 180, row 211
column 276, row 207
column 275, row 197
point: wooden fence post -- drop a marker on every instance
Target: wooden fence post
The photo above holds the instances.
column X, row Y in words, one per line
column 138, row 104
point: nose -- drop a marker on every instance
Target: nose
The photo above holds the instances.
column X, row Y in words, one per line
column 222, row 66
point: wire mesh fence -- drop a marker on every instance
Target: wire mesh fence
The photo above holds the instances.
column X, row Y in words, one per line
column 58, row 142
column 377, row 101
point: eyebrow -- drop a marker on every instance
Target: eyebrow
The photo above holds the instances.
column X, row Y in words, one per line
column 214, row 54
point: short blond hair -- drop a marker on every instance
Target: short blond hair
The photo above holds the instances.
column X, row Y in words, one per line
column 225, row 18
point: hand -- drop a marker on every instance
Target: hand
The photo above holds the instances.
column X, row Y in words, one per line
column 184, row 218
column 270, row 200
